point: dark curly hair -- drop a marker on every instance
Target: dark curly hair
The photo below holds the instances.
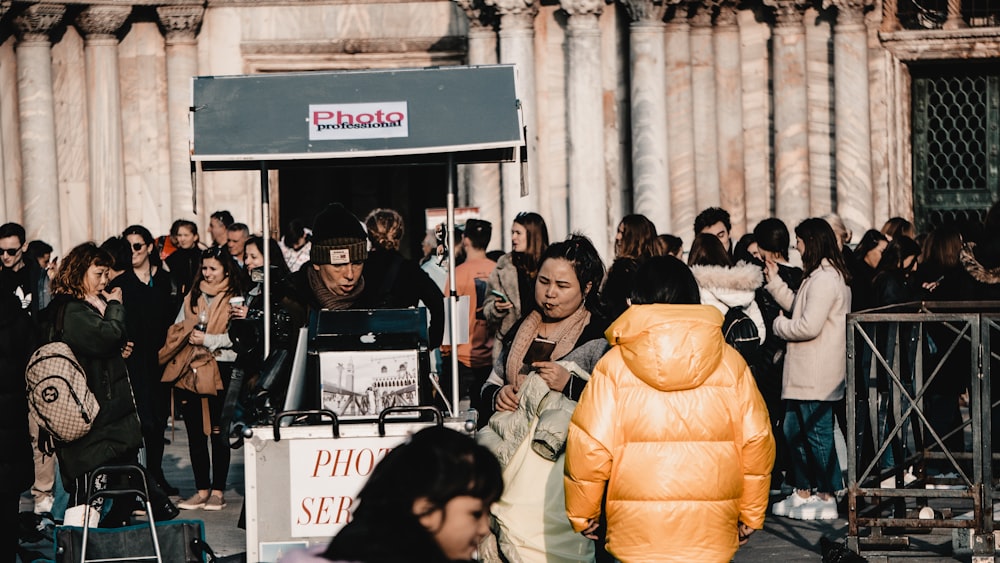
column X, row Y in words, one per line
column 69, row 278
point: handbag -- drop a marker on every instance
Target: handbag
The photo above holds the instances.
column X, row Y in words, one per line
column 194, row 369
column 181, row 541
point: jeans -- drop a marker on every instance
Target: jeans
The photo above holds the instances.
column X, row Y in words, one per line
column 209, row 472
column 809, row 433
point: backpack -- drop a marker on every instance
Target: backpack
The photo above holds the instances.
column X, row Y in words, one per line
column 740, row 332
column 58, row 396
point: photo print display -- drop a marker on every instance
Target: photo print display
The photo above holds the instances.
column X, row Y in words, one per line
column 363, row 384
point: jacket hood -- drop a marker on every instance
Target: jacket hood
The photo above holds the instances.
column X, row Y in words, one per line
column 669, row 347
column 734, row 287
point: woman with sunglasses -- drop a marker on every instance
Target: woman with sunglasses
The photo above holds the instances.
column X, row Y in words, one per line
column 146, row 290
column 203, row 325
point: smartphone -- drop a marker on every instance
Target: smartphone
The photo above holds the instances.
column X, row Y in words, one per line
column 499, row 295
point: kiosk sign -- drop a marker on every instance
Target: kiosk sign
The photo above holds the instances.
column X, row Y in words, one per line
column 325, row 478
column 330, row 122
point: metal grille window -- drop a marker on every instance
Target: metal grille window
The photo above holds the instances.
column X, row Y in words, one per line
column 932, row 14
column 956, row 114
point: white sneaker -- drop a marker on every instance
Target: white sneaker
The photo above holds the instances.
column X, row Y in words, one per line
column 943, row 486
column 782, row 507
column 815, row 508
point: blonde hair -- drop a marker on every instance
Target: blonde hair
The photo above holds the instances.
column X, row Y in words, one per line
column 385, row 227
column 839, row 228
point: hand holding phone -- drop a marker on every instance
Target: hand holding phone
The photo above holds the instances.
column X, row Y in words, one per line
column 499, row 295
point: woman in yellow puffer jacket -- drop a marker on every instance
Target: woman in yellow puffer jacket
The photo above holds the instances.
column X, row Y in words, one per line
column 672, row 424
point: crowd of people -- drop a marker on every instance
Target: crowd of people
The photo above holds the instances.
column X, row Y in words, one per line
column 656, row 402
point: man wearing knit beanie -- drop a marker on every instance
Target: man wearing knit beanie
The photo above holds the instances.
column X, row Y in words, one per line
column 339, row 250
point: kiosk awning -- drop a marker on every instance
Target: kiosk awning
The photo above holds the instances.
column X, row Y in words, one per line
column 395, row 116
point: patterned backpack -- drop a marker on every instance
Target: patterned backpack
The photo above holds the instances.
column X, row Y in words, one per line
column 58, row 397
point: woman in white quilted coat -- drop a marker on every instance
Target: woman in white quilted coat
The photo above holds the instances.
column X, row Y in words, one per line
column 722, row 284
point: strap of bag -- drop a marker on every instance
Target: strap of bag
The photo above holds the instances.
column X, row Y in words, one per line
column 232, row 397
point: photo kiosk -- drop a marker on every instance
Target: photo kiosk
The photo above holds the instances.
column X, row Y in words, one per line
column 307, row 476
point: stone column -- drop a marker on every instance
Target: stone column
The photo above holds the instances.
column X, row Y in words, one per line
column 517, row 46
column 853, row 120
column 180, row 26
column 706, row 160
column 5, row 214
column 680, row 135
column 483, row 180
column 648, row 99
column 585, row 124
column 757, row 102
column 40, row 188
column 99, row 24
column 954, row 20
column 729, row 115
column 791, row 127
column 890, row 17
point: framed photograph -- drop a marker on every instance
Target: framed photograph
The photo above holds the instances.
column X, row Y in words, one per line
column 271, row 552
column 359, row 384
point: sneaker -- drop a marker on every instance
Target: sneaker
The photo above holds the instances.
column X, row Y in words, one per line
column 815, row 508
column 214, row 502
column 782, row 507
column 195, row 502
column 944, row 486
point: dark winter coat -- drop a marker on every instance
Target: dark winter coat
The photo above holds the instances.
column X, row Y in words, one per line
column 16, row 344
column 97, row 343
column 393, row 282
column 148, row 315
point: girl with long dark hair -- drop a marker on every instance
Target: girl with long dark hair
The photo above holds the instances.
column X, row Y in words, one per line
column 814, row 374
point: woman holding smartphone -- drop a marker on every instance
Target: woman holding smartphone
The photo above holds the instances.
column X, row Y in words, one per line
column 511, row 285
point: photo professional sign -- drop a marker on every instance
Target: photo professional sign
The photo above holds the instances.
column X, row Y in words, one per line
column 325, row 477
column 328, row 122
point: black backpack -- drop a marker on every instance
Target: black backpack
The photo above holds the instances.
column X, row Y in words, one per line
column 741, row 333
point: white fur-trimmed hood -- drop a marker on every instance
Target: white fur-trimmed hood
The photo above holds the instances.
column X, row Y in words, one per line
column 741, row 277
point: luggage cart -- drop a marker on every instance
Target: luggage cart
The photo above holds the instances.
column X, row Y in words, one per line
column 301, row 481
column 126, row 474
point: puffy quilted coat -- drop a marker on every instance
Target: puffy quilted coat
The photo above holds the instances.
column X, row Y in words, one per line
column 673, row 425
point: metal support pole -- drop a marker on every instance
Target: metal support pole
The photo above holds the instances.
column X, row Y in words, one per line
column 265, row 204
column 452, row 294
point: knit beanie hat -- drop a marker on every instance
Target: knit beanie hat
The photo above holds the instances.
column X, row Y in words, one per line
column 338, row 237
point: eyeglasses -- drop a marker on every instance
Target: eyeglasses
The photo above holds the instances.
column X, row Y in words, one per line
column 137, row 246
column 10, row 251
column 215, row 252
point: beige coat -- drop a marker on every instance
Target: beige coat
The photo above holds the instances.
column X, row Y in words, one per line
column 816, row 357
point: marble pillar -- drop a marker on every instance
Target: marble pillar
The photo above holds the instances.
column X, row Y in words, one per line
column 706, row 156
column 99, row 24
column 819, row 92
column 754, row 56
column 791, row 127
column 10, row 135
column 729, row 116
column 483, row 180
column 180, row 26
column 585, row 124
column 517, row 47
column 648, row 98
column 69, row 79
column 40, row 188
column 853, row 119
column 680, row 133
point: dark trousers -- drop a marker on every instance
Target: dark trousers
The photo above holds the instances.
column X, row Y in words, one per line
column 10, row 506
column 209, row 472
column 120, row 512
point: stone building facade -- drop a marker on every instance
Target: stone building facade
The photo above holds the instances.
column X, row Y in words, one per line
column 764, row 107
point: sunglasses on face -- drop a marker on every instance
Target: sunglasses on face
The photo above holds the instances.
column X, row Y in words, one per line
column 137, row 246
column 10, row 251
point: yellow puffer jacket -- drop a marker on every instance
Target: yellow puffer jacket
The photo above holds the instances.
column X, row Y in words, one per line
column 673, row 424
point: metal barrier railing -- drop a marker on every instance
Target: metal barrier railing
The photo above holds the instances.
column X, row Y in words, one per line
column 909, row 367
